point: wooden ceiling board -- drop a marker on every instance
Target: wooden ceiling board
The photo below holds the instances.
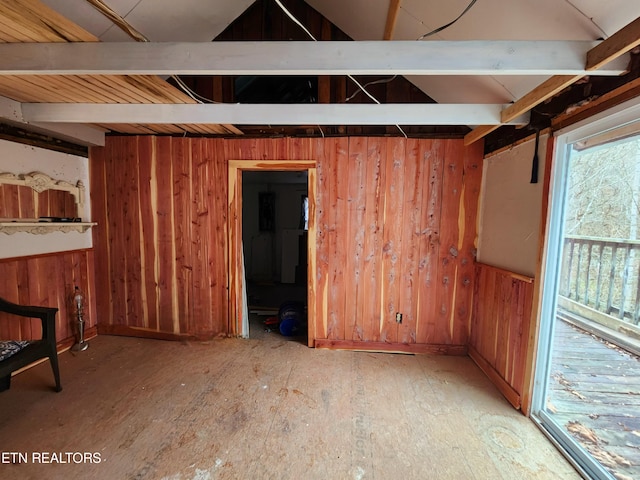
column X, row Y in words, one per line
column 38, row 23
column 32, row 21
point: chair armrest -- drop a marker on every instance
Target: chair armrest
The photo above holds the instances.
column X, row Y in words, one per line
column 46, row 314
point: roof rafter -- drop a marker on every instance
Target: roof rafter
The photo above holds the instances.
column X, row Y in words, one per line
column 392, row 17
column 303, row 58
column 608, row 50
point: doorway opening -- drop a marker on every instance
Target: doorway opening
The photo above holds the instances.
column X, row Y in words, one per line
column 587, row 385
column 275, row 240
column 272, row 243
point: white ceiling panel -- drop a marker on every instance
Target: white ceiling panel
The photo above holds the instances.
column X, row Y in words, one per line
column 184, row 20
column 609, row 15
column 360, row 19
column 502, row 20
column 158, row 20
column 85, row 15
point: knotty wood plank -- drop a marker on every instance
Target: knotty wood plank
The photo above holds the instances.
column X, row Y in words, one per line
column 182, row 195
column 355, row 228
column 411, row 228
column 467, row 240
column 116, row 176
column 338, row 158
column 165, row 237
column 373, row 240
column 432, row 152
column 199, row 238
column 322, row 240
column 502, row 335
column 147, row 225
column 449, row 243
column 219, row 256
column 392, row 238
column 131, row 222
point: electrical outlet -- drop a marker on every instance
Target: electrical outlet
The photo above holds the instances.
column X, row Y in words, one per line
column 398, row 317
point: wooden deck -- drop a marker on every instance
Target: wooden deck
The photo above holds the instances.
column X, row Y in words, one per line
column 595, row 395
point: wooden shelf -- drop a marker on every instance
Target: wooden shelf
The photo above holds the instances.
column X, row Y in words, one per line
column 41, row 228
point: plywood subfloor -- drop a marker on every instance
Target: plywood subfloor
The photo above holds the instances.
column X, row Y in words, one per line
column 268, row 407
column 595, row 395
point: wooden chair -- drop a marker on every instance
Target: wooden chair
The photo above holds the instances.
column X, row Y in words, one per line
column 34, row 350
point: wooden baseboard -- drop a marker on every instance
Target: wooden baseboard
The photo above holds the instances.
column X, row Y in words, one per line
column 382, row 347
column 507, row 390
column 137, row 332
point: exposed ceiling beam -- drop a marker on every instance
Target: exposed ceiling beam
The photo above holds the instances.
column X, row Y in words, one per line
column 600, row 56
column 542, row 92
column 303, row 58
column 11, row 113
column 263, row 114
column 392, row 16
column 545, row 90
column 621, row 42
column 479, row 132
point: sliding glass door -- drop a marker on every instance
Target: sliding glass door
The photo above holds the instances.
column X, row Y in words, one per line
column 587, row 385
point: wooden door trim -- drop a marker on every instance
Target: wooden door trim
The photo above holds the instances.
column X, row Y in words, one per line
column 236, row 167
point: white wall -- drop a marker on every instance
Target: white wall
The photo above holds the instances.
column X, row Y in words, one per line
column 17, row 158
column 510, row 209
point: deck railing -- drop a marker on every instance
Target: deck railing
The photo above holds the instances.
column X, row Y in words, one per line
column 603, row 273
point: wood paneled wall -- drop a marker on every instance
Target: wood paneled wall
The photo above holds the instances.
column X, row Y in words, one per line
column 396, row 228
column 49, row 280
column 500, row 327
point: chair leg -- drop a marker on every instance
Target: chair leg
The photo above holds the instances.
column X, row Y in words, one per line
column 53, row 359
column 5, row 383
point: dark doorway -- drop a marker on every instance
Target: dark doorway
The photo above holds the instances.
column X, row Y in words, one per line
column 275, row 244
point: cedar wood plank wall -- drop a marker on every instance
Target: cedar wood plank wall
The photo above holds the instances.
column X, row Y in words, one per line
column 46, row 280
column 396, row 230
column 501, row 323
column 504, row 321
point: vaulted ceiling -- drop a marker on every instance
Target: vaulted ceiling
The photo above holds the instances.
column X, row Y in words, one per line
column 361, row 20
column 195, row 20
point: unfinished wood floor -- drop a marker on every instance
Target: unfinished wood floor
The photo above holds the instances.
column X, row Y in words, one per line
column 267, row 407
